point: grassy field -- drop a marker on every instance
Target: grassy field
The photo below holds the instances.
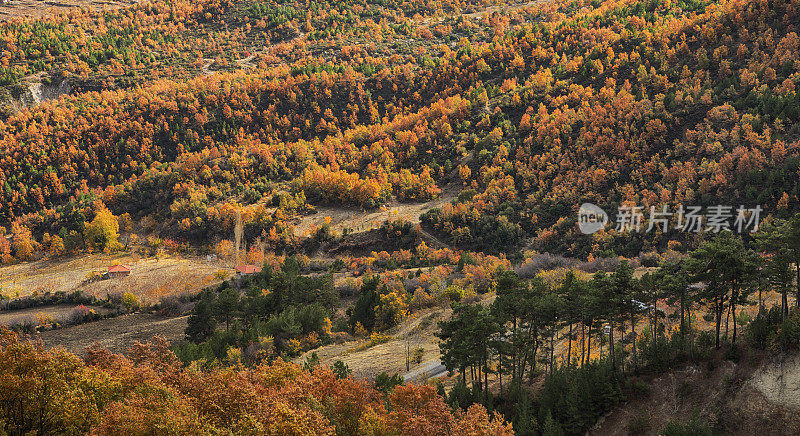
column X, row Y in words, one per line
column 38, row 8
column 359, row 220
column 150, row 279
column 389, row 356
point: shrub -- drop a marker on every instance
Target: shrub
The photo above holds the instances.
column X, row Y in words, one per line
column 544, row 262
column 129, row 302
column 417, row 355
column 577, row 396
column 390, row 311
column 170, row 306
column 386, row 383
column 341, row 369
column 81, row 314
column 693, row 427
column 787, row 336
column 451, row 294
column 761, row 330
column 374, row 339
column 650, row 259
column 363, row 312
column 640, row 423
column 638, row 388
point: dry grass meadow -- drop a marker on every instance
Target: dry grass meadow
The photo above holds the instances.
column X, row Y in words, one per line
column 151, row 277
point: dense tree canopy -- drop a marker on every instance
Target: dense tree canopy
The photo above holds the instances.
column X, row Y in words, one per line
column 536, row 109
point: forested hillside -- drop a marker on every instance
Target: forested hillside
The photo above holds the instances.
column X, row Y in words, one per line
column 535, row 110
column 362, row 217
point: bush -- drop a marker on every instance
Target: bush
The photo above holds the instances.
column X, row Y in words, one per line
column 650, row 259
column 639, row 424
column 374, row 339
column 544, row 262
column 787, row 336
column 364, row 310
column 341, row 369
column 732, row 353
column 390, row 311
column 170, row 306
column 460, row 395
column 386, row 383
column 693, row 427
column 638, row 388
column 129, row 302
column 451, row 294
column 400, row 233
column 577, row 396
column 705, row 339
column 47, row 299
column 417, row 355
column 82, row 314
column 606, row 264
column 771, row 330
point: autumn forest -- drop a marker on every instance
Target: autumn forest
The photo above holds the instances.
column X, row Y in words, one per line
column 403, row 178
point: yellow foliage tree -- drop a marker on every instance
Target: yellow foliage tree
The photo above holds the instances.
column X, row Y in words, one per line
column 22, row 242
column 391, row 310
column 103, row 231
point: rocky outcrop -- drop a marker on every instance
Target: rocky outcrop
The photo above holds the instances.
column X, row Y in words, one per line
column 779, row 381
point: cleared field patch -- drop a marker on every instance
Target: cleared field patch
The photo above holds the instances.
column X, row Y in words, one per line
column 116, row 334
column 359, row 220
column 150, row 278
column 38, row 8
column 390, row 356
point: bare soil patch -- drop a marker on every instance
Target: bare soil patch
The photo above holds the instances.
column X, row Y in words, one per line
column 722, row 397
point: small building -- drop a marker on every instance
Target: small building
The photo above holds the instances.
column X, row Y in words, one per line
column 118, row 271
column 246, row 270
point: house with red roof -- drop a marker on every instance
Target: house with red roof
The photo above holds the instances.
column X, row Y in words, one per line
column 118, row 271
column 246, row 270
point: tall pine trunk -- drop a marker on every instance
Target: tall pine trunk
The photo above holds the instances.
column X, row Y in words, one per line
column 588, row 345
column 569, row 348
column 797, row 269
column 683, row 321
column 583, row 343
column 727, row 320
column 718, row 314
column 691, row 333
column 633, row 334
column 611, row 347
column 784, row 303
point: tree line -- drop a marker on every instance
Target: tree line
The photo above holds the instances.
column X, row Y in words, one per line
column 599, row 330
